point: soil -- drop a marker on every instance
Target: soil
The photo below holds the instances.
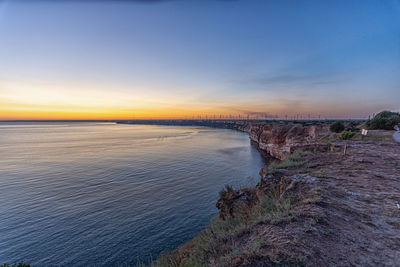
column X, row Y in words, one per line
column 355, row 223
column 360, row 194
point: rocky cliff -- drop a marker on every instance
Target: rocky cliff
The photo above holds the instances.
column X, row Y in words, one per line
column 328, row 209
column 279, row 140
column 276, row 138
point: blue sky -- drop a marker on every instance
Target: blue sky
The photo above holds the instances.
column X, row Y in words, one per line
column 176, row 58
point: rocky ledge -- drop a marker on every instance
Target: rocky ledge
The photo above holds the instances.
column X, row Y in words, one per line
column 279, row 140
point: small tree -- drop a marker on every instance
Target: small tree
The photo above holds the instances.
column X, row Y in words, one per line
column 337, row 127
column 385, row 120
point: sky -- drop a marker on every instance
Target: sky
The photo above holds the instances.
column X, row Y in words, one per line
column 154, row 59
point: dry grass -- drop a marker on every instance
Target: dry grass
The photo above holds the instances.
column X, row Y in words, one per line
column 295, row 160
column 219, row 241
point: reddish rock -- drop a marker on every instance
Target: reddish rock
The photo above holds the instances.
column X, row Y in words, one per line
column 279, row 140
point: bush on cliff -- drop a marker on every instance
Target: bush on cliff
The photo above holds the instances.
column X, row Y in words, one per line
column 219, row 240
column 352, row 126
column 384, row 120
column 223, row 192
column 258, row 230
column 337, row 127
column 346, row 135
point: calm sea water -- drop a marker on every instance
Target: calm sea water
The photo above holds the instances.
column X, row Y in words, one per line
column 101, row 194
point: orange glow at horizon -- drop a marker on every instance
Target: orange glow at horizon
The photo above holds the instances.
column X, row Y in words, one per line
column 30, row 100
column 22, row 100
column 104, row 115
column 26, row 112
column 20, row 111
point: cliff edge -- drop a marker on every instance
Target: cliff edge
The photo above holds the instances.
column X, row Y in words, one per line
column 315, row 208
column 279, row 140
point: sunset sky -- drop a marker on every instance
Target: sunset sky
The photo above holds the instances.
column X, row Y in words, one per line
column 183, row 58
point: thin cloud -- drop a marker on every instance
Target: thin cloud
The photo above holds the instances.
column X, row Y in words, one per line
column 277, row 82
column 295, row 78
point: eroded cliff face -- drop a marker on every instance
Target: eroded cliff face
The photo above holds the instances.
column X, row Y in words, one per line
column 279, row 140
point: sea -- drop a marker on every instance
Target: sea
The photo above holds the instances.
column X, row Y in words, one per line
column 107, row 194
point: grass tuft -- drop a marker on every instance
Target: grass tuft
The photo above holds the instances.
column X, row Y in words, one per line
column 294, row 160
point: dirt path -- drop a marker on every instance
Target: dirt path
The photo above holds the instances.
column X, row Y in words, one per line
column 361, row 190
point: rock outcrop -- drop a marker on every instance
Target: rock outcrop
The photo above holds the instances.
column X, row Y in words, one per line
column 277, row 185
column 280, row 140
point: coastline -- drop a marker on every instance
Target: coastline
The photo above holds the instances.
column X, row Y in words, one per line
column 324, row 208
column 318, row 194
column 167, row 185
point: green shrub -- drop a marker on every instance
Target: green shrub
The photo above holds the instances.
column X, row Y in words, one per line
column 352, row 126
column 337, row 127
column 384, row 120
column 346, row 135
